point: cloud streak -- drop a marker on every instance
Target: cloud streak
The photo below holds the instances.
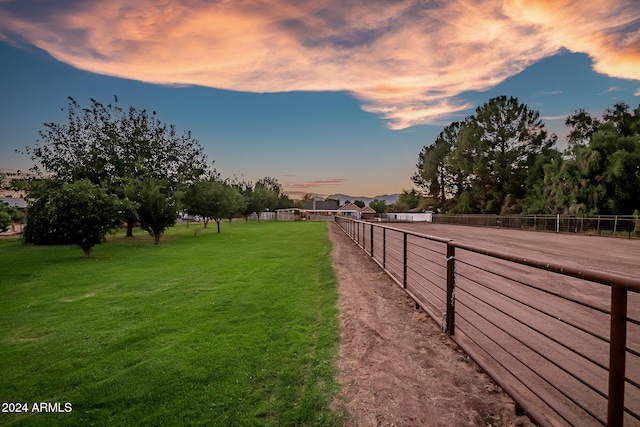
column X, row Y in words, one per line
column 322, row 187
column 329, row 182
column 407, row 61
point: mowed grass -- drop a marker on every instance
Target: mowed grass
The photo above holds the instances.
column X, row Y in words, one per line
column 238, row 328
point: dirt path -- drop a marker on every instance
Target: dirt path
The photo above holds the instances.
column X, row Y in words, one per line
column 396, row 367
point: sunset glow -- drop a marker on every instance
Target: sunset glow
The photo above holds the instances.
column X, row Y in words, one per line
column 326, row 96
column 406, row 61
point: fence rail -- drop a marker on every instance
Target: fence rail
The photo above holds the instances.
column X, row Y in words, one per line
column 604, row 225
column 564, row 343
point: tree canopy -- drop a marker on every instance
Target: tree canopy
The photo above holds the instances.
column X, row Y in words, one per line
column 265, row 195
column 79, row 213
column 108, row 144
column 142, row 165
column 408, row 200
column 158, row 205
column 213, row 199
column 438, row 174
column 116, row 149
column 380, row 206
column 7, row 214
column 502, row 160
column 112, row 147
column 600, row 173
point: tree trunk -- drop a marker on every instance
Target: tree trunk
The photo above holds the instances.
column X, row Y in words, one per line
column 130, row 223
column 87, row 252
column 156, row 238
column 218, row 222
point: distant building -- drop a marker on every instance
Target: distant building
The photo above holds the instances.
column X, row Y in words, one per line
column 410, row 216
column 319, row 210
column 8, row 175
column 320, row 205
column 350, row 210
column 367, row 213
column 15, row 202
column 289, row 214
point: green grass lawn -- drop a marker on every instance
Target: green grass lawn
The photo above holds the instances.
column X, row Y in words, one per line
column 238, row 328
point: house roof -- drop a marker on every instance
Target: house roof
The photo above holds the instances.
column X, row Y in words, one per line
column 319, row 204
column 15, row 202
column 350, row 207
column 368, row 209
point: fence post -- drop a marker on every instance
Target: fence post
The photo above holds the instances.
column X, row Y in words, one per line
column 617, row 355
column 404, row 257
column 450, row 301
column 371, row 240
column 384, row 247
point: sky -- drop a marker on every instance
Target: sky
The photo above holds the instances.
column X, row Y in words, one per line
column 326, row 96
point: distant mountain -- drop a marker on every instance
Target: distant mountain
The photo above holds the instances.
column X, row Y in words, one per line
column 388, row 198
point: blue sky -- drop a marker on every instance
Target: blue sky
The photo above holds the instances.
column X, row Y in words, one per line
column 329, row 99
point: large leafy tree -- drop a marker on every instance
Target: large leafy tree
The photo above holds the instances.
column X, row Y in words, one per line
column 438, row 175
column 213, row 199
column 158, row 205
column 110, row 146
column 265, row 194
column 539, row 199
column 261, row 199
column 245, row 188
column 408, row 200
column 380, row 206
column 276, row 198
column 79, row 213
column 507, row 137
column 481, row 165
column 581, row 126
column 601, row 170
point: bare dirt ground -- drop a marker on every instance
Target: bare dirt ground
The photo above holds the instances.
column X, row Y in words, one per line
column 612, row 254
column 396, row 367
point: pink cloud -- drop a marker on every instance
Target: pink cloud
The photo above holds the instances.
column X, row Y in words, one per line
column 608, row 31
column 321, row 187
column 331, row 182
column 406, row 61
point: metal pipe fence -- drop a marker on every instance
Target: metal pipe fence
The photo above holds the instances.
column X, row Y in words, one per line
column 604, row 225
column 564, row 343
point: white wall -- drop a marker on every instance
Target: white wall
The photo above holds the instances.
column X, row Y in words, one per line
column 411, row 217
